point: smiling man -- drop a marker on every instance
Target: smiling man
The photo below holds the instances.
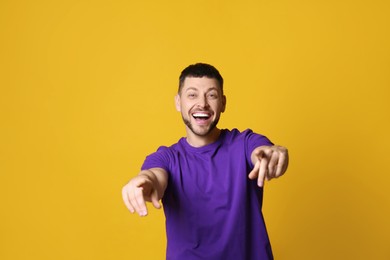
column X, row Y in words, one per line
column 211, row 181
column 201, row 102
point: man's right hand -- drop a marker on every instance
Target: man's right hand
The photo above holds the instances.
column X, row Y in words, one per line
column 144, row 187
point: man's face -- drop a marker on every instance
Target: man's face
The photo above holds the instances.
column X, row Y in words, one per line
column 201, row 103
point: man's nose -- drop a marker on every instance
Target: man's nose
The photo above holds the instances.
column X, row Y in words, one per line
column 203, row 101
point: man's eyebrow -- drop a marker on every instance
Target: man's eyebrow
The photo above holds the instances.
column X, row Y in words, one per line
column 191, row 88
column 195, row 89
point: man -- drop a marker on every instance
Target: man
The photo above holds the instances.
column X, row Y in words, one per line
column 211, row 181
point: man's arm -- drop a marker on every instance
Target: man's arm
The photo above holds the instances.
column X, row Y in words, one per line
column 269, row 162
column 148, row 185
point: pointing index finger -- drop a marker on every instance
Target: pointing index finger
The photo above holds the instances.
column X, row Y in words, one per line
column 262, row 171
column 140, row 202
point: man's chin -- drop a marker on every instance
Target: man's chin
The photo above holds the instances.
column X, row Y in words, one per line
column 201, row 131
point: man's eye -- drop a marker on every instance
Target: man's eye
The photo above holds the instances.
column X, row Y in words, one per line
column 213, row 95
column 191, row 95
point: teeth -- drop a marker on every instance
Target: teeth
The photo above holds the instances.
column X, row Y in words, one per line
column 200, row 115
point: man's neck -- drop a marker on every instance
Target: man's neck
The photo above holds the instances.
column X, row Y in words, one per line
column 199, row 141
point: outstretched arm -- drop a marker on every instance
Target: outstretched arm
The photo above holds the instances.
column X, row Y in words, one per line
column 147, row 186
column 269, row 162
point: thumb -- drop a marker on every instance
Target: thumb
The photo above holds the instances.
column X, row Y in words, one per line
column 154, row 199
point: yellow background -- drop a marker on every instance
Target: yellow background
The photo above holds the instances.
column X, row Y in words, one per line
column 87, row 92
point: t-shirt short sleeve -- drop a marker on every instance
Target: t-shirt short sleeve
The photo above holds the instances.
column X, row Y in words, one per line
column 158, row 159
column 252, row 141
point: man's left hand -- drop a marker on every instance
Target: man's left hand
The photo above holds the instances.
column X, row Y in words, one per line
column 269, row 162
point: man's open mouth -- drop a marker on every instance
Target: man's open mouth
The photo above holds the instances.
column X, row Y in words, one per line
column 201, row 116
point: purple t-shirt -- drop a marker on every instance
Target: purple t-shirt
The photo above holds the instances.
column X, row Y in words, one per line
column 212, row 209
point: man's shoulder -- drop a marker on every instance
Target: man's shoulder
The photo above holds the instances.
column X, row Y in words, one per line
column 235, row 133
column 248, row 136
column 171, row 148
column 163, row 157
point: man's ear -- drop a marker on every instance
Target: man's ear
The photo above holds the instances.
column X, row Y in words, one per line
column 177, row 102
column 223, row 103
